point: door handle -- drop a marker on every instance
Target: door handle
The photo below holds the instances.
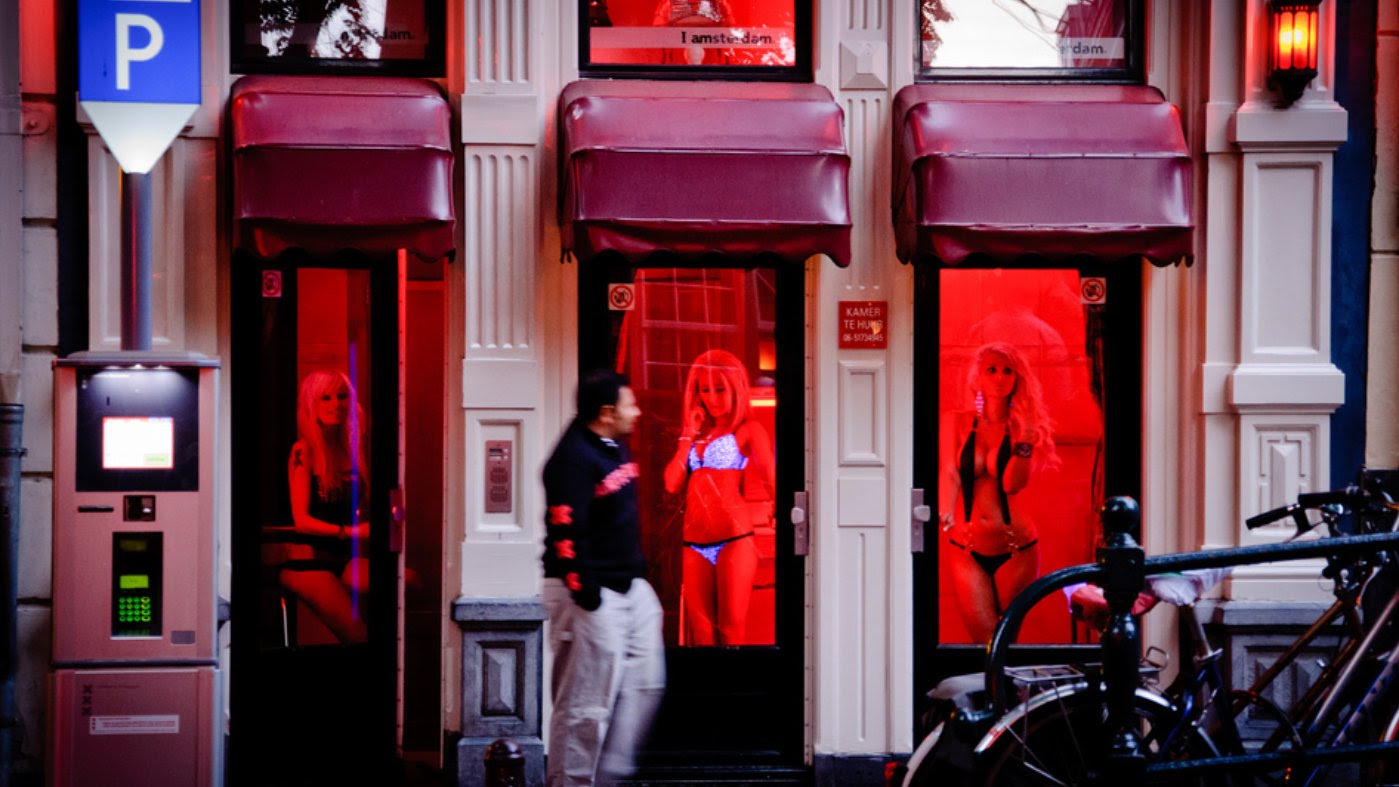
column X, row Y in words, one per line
column 396, row 517
column 919, row 516
column 801, row 528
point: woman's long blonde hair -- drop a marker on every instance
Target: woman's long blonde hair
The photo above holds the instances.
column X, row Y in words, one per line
column 331, row 462
column 1027, row 398
column 730, row 368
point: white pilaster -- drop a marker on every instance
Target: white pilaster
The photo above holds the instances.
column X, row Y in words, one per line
column 505, row 113
column 1282, row 386
column 860, row 468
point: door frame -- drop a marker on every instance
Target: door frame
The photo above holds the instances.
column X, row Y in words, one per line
column 1124, row 354
column 776, row 674
column 253, row 406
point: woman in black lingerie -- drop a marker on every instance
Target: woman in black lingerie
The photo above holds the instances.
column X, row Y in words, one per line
column 988, row 454
column 328, row 568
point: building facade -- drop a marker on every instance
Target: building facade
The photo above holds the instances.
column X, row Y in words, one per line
column 843, row 196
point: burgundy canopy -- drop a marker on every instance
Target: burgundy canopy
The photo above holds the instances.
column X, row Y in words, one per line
column 1053, row 170
column 331, row 163
column 694, row 169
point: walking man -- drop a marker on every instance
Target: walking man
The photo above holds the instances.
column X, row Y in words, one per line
column 604, row 618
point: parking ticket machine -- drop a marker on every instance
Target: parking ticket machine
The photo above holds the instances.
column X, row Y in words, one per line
column 135, row 693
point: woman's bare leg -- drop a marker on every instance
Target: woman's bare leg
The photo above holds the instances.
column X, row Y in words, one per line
column 697, row 588
column 738, row 564
column 329, row 600
column 356, row 575
column 976, row 594
column 1017, row 574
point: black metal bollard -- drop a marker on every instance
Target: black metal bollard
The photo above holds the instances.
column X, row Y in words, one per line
column 1122, row 559
column 505, row 764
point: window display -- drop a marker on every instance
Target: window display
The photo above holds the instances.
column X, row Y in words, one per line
column 316, row 537
column 683, row 33
column 1025, row 34
column 1021, row 442
column 300, row 34
column 698, row 346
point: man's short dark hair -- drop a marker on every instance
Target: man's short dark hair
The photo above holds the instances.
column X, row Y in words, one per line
column 597, row 389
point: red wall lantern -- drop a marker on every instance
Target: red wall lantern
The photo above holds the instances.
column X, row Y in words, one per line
column 1292, row 46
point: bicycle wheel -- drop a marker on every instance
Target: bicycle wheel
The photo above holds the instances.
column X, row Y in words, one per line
column 1255, row 724
column 1060, row 737
column 934, row 766
column 1358, row 718
column 1384, row 773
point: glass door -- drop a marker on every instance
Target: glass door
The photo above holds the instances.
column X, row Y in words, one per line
column 715, row 358
column 1029, row 389
column 317, row 565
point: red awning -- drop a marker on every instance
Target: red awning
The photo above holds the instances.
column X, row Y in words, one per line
column 332, row 163
column 1057, row 171
column 694, row 169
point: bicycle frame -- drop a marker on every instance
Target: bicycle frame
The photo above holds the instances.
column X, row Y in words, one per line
column 1120, row 570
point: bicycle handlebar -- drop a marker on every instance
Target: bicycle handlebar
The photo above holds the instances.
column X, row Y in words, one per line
column 1350, row 497
column 1297, row 511
column 1008, row 627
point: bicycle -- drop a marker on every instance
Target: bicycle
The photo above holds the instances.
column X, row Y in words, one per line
column 1055, row 735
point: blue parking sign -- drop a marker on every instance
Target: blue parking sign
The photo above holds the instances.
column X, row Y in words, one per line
column 141, row 51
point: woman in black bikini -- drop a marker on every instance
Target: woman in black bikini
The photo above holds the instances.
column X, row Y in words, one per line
column 988, row 454
column 328, row 568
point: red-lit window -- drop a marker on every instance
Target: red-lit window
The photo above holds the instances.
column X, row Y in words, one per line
column 1023, row 392
column 753, row 38
column 699, row 347
column 1091, row 39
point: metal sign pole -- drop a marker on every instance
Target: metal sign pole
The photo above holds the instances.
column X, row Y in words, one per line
column 135, row 261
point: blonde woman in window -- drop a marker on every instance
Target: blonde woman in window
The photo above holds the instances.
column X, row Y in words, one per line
column 723, row 463
column 328, row 567
column 989, row 453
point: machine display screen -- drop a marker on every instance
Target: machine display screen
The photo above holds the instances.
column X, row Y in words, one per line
column 135, row 443
column 137, row 429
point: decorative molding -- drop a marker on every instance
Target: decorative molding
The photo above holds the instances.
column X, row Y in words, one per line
column 867, row 139
column 484, row 426
column 862, row 501
column 498, row 383
column 863, row 398
column 1280, row 456
column 501, row 679
column 1285, row 285
column 866, row 15
column 502, row 689
column 500, row 248
column 1296, row 387
column 864, row 65
column 500, row 119
column 1259, row 126
column 497, row 44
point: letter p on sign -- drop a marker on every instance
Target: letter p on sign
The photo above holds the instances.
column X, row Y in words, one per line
column 126, row 54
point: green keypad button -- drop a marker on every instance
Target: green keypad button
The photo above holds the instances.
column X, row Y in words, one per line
column 134, row 609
